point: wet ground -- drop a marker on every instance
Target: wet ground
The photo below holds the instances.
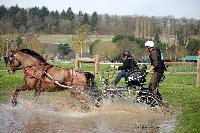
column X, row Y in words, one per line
column 31, row 117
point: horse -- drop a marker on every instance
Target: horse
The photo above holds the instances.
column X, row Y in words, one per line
column 41, row 76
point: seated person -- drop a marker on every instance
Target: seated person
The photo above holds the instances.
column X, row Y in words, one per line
column 128, row 64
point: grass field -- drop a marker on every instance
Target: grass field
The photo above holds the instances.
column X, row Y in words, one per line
column 68, row 38
column 179, row 91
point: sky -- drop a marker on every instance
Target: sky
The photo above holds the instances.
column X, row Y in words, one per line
column 176, row 8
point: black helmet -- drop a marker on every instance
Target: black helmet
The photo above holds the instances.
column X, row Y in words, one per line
column 126, row 53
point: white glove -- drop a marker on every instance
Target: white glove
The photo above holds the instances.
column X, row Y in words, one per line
column 148, row 71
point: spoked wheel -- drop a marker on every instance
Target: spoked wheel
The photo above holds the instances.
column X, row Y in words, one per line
column 151, row 101
column 148, row 98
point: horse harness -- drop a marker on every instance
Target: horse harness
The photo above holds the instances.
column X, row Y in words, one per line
column 40, row 79
column 45, row 73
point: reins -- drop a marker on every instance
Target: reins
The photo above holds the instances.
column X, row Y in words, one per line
column 56, row 82
column 64, row 86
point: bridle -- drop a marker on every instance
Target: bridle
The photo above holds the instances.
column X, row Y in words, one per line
column 11, row 60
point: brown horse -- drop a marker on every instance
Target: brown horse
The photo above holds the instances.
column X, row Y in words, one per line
column 41, row 76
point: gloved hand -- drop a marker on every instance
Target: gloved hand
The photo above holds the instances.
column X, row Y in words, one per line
column 148, row 71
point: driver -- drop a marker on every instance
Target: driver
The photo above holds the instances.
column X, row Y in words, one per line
column 129, row 64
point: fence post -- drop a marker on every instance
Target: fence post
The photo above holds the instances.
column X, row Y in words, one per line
column 77, row 62
column 94, row 60
column 198, row 71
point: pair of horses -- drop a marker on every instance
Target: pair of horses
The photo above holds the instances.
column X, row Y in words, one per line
column 41, row 76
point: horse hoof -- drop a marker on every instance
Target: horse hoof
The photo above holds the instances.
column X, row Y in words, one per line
column 14, row 103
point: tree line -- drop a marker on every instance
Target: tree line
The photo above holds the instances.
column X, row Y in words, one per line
column 130, row 32
column 42, row 20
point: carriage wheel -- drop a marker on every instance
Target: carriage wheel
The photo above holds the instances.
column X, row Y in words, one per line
column 140, row 99
column 148, row 99
column 151, row 101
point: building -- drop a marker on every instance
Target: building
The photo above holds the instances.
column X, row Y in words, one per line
column 189, row 59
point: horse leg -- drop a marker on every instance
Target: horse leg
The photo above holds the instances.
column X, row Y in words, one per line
column 15, row 93
column 37, row 94
column 38, row 89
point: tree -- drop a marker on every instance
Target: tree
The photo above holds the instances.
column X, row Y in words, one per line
column 86, row 20
column 103, row 49
column 63, row 15
column 94, row 20
column 64, row 49
column 6, row 26
column 13, row 10
column 7, row 43
column 43, row 13
column 19, row 42
column 33, row 43
column 70, row 14
column 80, row 17
column 80, row 39
column 64, row 26
column 193, row 46
column 3, row 12
column 92, row 46
column 33, row 22
column 21, row 20
column 53, row 22
column 133, row 47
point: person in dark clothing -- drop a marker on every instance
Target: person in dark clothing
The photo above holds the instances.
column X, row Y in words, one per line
column 157, row 65
column 128, row 64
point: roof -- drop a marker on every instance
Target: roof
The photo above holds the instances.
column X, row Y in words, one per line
column 189, row 58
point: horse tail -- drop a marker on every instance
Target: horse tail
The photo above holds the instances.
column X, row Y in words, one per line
column 90, row 78
column 92, row 84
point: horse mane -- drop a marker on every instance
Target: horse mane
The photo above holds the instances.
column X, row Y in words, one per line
column 34, row 54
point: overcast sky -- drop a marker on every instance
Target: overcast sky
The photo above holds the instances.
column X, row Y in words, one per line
column 176, row 8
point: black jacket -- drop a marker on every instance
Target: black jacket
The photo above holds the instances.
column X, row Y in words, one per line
column 128, row 65
column 155, row 59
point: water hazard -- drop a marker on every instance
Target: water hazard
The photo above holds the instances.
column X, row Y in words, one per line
column 32, row 117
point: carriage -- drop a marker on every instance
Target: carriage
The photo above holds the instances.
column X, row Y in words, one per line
column 134, row 90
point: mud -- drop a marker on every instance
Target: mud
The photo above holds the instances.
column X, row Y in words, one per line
column 32, row 117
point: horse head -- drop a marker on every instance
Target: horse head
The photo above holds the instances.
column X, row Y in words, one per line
column 13, row 62
column 25, row 58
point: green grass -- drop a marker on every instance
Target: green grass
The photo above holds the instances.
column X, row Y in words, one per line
column 55, row 39
column 179, row 91
column 2, row 65
column 8, row 83
column 182, row 69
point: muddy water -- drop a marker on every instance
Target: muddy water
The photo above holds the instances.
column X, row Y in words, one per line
column 32, row 117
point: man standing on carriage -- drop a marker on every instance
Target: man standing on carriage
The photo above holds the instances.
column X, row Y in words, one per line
column 157, row 65
column 129, row 64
